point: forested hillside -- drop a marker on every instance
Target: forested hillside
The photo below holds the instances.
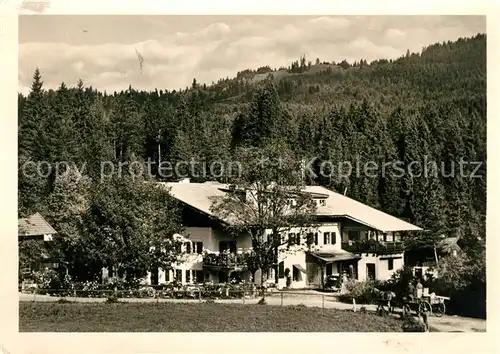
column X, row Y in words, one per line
column 428, row 106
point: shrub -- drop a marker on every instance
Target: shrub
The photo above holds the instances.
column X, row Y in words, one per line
column 398, row 283
column 112, row 299
column 44, row 278
column 146, row 292
column 462, row 279
column 362, row 292
column 65, row 301
column 413, row 324
column 88, row 289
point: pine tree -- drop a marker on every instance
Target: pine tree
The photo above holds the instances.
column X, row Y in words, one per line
column 32, row 121
column 263, row 115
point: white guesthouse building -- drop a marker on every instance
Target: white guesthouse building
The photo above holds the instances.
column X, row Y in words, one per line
column 351, row 236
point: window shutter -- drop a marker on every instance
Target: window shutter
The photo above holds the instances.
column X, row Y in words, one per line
column 316, row 238
column 188, row 247
column 325, row 240
column 334, row 238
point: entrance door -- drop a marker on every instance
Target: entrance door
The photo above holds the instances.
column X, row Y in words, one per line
column 223, row 276
column 370, row 271
column 329, row 269
column 154, row 276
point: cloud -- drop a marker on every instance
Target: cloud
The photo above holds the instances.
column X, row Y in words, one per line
column 175, row 53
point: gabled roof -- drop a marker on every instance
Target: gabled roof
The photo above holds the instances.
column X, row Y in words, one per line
column 201, row 195
column 34, row 225
column 197, row 195
column 342, row 206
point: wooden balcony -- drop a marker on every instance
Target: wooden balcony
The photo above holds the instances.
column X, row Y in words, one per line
column 225, row 260
column 372, row 246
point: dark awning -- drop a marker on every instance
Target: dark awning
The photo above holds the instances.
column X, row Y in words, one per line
column 330, row 257
column 299, row 267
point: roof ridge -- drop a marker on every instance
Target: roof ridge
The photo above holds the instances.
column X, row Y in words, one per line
column 363, row 204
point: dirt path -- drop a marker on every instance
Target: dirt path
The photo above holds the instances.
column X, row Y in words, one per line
column 457, row 324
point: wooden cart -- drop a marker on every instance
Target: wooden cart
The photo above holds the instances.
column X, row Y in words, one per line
column 417, row 304
column 438, row 307
column 434, row 305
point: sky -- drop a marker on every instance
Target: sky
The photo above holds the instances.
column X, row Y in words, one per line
column 102, row 49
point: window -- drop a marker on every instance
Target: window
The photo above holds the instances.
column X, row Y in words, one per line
column 178, row 275
column 385, row 236
column 316, row 238
column 178, row 248
column 292, row 239
column 353, row 235
column 322, row 202
column 310, row 238
column 329, row 238
column 199, row 276
column 281, row 270
column 188, row 276
column 167, row 275
column 188, row 247
column 329, row 269
column 296, row 274
column 198, row 247
column 326, row 238
column 390, row 264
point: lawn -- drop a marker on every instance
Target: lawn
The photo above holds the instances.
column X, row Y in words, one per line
column 177, row 317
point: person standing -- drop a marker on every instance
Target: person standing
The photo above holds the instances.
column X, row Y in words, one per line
column 420, row 289
column 410, row 292
column 343, row 289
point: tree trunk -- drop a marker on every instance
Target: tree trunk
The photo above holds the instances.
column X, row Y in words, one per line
column 276, row 267
column 436, row 256
column 262, row 283
column 276, row 260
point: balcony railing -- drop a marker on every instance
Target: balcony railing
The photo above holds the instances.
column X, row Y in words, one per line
column 225, row 260
column 372, row 246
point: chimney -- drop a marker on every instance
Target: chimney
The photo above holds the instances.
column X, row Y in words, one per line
column 185, row 180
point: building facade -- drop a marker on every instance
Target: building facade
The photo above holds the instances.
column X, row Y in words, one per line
column 349, row 237
column 36, row 229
